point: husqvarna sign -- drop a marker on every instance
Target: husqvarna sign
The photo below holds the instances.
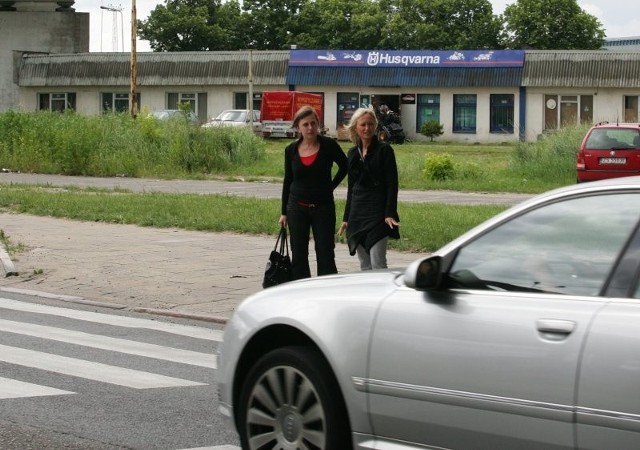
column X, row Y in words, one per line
column 407, row 58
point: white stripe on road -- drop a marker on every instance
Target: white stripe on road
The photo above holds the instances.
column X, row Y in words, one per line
column 17, row 389
column 217, row 447
column 135, row 379
column 109, row 343
column 108, row 319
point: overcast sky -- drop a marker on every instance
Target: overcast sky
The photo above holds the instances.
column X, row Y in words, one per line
column 111, row 31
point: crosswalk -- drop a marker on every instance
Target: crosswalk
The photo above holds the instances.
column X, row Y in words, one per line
column 49, row 342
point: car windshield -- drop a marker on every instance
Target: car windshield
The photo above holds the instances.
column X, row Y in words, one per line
column 232, row 116
column 613, row 139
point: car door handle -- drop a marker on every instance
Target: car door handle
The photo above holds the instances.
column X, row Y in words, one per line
column 555, row 329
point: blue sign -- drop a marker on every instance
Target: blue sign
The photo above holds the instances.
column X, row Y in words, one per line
column 406, row 58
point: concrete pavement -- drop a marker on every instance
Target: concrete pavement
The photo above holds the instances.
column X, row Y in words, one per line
column 175, row 272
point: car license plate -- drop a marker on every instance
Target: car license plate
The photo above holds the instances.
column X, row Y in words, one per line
column 613, row 160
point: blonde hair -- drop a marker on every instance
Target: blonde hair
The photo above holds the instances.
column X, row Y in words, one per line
column 303, row 113
column 353, row 134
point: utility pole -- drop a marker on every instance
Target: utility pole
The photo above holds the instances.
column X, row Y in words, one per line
column 133, row 99
column 251, row 89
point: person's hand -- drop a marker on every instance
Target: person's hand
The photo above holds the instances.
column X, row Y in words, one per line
column 391, row 222
column 283, row 221
column 342, row 228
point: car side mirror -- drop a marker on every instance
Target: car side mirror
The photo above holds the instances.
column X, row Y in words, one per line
column 424, row 274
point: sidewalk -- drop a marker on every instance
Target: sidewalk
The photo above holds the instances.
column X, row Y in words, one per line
column 169, row 271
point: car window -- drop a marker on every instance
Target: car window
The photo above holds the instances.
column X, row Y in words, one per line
column 568, row 247
column 608, row 138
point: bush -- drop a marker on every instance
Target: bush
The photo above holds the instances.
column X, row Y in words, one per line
column 439, row 167
column 432, row 128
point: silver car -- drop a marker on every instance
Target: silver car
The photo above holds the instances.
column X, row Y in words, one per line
column 522, row 333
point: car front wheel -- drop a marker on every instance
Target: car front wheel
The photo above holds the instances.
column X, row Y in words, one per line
column 290, row 401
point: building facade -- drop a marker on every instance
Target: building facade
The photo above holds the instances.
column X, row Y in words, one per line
column 478, row 96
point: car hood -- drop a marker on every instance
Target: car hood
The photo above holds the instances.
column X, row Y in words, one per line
column 300, row 303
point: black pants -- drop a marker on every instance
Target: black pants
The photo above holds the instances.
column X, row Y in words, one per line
column 321, row 219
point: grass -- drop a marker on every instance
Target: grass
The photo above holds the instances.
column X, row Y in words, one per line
column 424, row 227
column 11, row 247
column 117, row 145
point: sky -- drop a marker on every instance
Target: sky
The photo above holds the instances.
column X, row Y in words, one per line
column 111, row 30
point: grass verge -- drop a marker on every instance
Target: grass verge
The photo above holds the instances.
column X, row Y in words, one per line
column 424, row 227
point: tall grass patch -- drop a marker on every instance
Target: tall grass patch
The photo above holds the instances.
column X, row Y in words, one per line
column 118, row 145
column 551, row 159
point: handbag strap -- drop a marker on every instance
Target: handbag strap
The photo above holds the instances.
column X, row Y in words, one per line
column 283, row 242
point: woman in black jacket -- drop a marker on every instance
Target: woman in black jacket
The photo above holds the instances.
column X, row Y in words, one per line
column 371, row 213
column 307, row 194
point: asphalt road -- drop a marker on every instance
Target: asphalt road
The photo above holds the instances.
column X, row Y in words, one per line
column 91, row 378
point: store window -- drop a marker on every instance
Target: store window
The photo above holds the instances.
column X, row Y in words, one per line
column 501, row 113
column 630, row 108
column 464, row 113
column 57, row 102
column 428, row 109
column 116, row 101
column 567, row 110
column 347, row 104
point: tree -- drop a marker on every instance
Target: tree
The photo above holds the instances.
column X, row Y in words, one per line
column 431, row 129
column 440, row 24
column 193, row 25
column 269, row 23
column 338, row 24
column 551, row 24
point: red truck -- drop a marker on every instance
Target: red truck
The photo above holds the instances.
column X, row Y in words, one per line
column 279, row 107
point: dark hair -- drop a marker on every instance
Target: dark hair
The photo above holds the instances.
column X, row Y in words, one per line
column 303, row 113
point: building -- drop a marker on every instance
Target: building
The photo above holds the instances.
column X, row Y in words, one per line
column 59, row 30
column 478, row 96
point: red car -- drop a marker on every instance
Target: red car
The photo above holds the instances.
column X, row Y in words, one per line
column 609, row 150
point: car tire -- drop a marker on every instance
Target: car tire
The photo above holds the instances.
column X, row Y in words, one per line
column 290, row 400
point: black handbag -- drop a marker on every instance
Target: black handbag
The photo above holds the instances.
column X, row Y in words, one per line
column 278, row 268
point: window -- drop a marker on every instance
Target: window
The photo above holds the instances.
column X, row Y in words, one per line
column 464, row 113
column 630, row 108
column 116, row 102
column 190, row 102
column 428, row 109
column 348, row 102
column 57, row 102
column 240, row 100
column 558, row 248
column 567, row 110
column 501, row 113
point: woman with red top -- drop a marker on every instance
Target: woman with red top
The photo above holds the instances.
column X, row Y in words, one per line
column 307, row 194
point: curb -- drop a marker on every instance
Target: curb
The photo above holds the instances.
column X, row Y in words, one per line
column 82, row 301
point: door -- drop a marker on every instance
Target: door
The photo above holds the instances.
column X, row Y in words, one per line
column 491, row 359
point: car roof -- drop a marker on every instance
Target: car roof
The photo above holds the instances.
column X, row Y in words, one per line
column 617, row 125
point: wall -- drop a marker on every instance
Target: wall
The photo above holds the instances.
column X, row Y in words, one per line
column 57, row 32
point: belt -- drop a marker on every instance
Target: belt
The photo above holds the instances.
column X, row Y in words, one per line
column 307, row 205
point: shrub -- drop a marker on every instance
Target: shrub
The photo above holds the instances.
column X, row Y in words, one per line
column 432, row 128
column 438, row 167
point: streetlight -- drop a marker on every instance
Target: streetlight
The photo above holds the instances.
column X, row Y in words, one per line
column 114, row 29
